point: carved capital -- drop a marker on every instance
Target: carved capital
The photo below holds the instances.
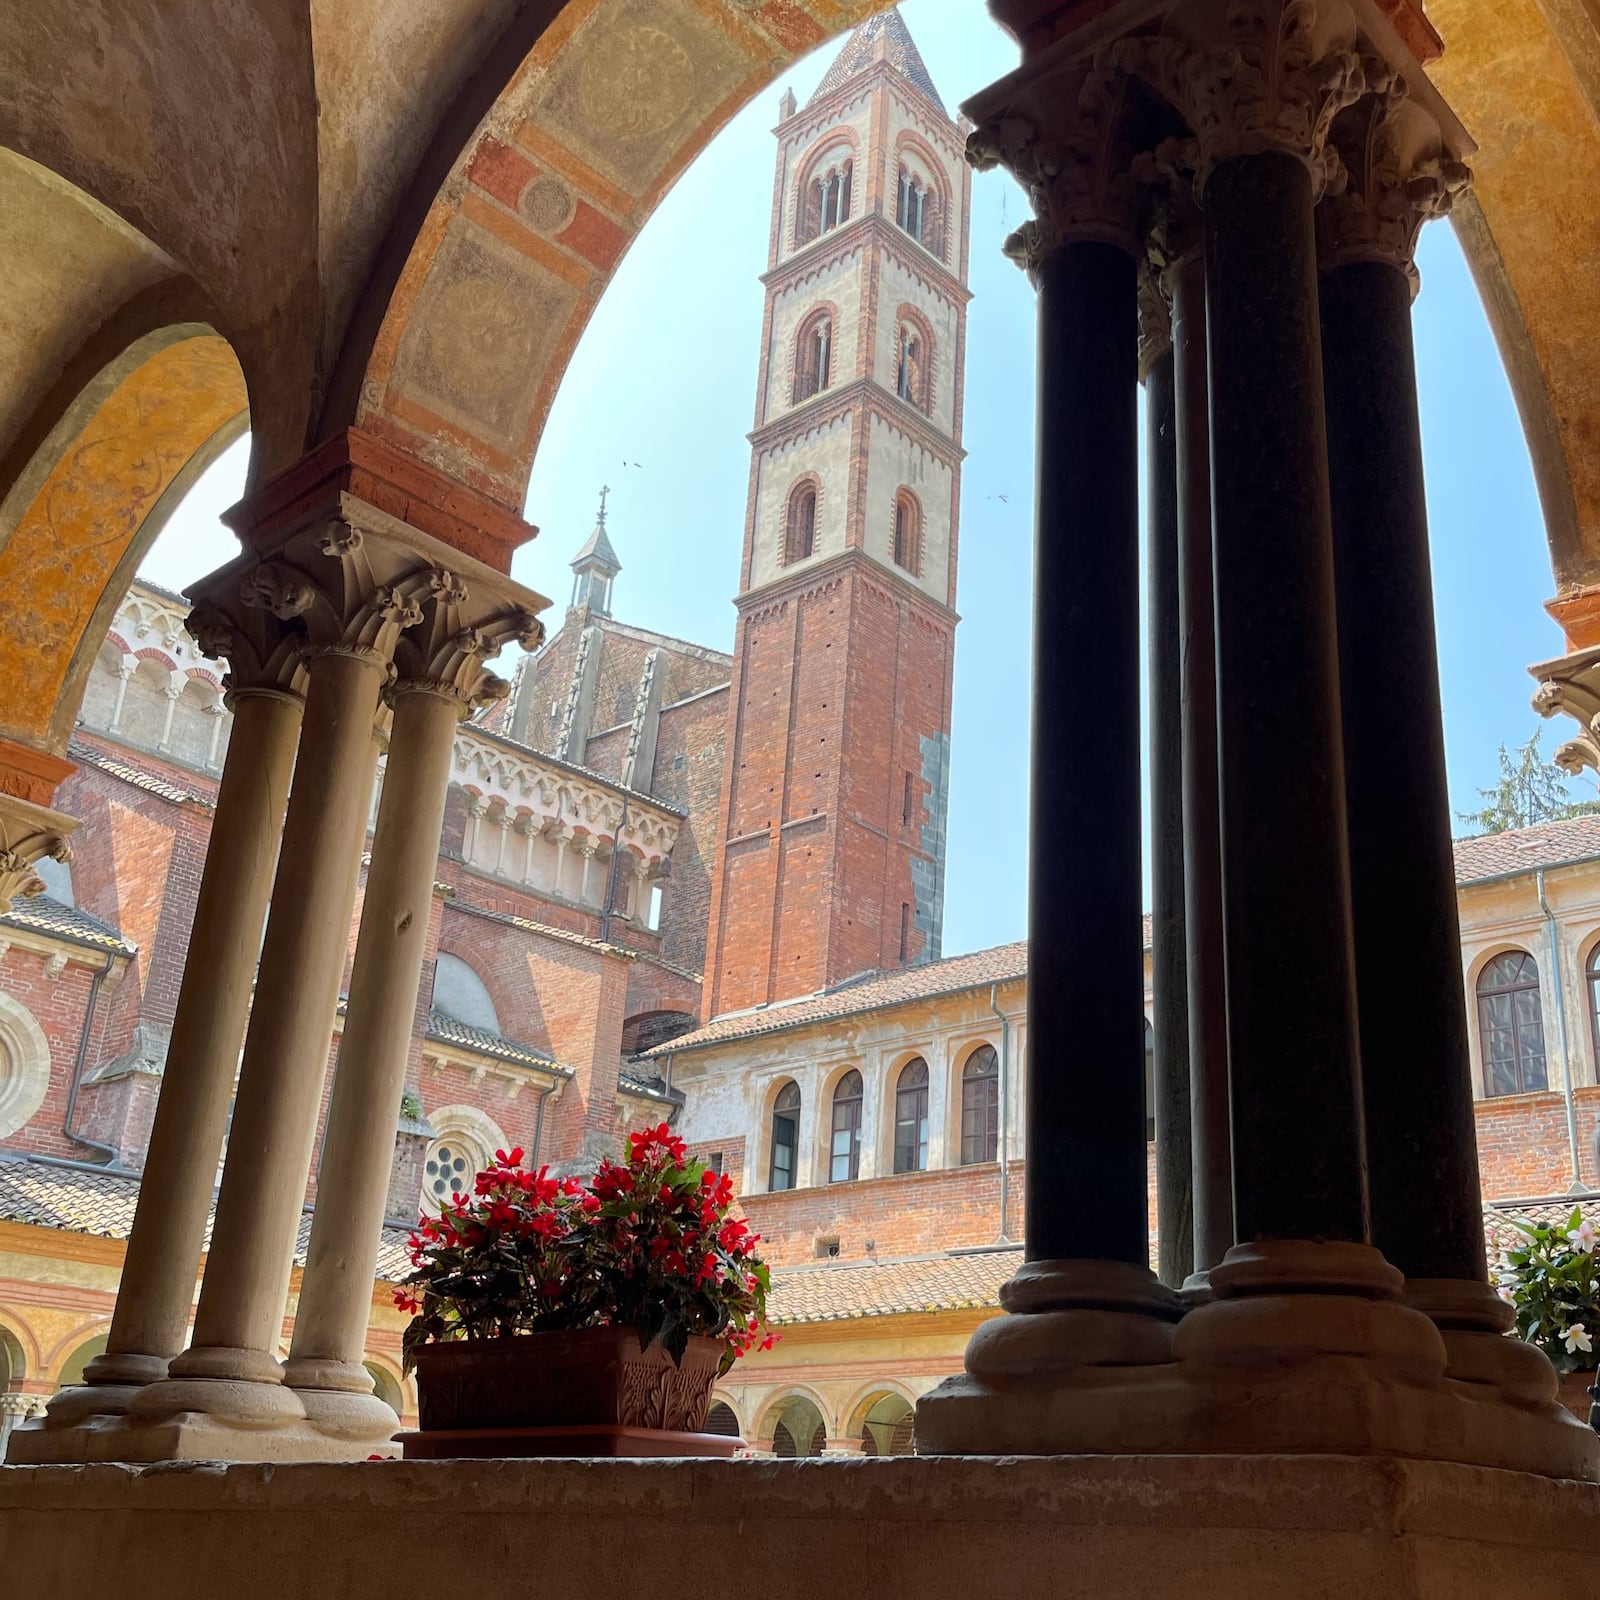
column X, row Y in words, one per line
column 1398, row 178
column 1571, row 686
column 1073, row 151
column 28, row 834
column 1155, row 317
column 455, row 633
column 1272, row 78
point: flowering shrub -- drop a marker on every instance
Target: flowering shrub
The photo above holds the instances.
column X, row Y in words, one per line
column 647, row 1243
column 1553, row 1284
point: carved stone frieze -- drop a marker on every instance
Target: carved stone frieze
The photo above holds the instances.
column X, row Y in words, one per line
column 1071, row 144
column 1273, row 78
column 1398, row 177
column 28, row 834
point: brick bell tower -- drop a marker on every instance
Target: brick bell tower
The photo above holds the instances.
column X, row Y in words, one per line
column 831, row 859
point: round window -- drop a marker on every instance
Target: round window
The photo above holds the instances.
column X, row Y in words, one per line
column 450, row 1169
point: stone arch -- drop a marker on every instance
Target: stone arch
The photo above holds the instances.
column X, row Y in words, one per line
column 94, row 494
column 915, row 351
column 19, row 1352
column 24, row 1065
column 388, row 1382
column 800, row 1410
column 459, row 991
column 929, row 164
column 837, row 149
column 72, row 1354
column 462, row 1133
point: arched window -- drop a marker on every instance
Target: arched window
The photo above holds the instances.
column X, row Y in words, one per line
column 800, row 534
column 1592, row 973
column 912, row 365
column 825, row 199
column 813, row 356
column 1511, row 1024
column 844, row 1149
column 785, row 1138
column 460, row 994
column 908, row 533
column 911, row 203
column 466, row 1140
column 980, row 1106
column 720, row 1420
column 911, row 1117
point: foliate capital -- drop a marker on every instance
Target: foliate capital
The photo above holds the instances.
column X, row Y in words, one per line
column 1155, row 316
column 1074, row 155
column 454, row 635
column 1273, row 79
column 29, row 834
column 1398, row 179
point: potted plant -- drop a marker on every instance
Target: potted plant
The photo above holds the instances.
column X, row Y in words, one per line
column 1552, row 1282
column 556, row 1317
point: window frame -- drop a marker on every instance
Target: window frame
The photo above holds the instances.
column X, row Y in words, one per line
column 911, row 1113
column 986, row 1079
column 1487, row 991
column 845, row 1115
column 794, row 534
column 790, row 1114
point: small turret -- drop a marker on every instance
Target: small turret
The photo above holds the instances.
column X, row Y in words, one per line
column 594, row 567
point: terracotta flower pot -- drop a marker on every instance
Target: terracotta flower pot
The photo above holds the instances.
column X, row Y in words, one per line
column 588, row 1392
column 1575, row 1395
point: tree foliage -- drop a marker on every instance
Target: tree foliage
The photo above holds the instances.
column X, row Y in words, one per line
column 1530, row 790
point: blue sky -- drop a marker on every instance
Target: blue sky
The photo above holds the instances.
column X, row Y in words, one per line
column 661, row 394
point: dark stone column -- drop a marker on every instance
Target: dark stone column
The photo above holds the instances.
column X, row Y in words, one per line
column 1210, row 1136
column 1086, row 1171
column 1168, row 962
column 1421, row 1142
column 1297, row 1121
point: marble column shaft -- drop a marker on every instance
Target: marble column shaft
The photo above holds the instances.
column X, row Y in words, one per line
column 358, row 1144
column 1086, row 1171
column 1421, row 1138
column 1210, row 1137
column 1297, row 1121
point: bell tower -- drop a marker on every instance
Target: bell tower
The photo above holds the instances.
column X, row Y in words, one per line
column 831, row 856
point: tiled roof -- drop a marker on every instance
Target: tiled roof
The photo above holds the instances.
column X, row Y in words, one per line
column 835, row 1291
column 1002, row 964
column 40, row 914
column 861, row 50
column 447, row 1030
column 81, row 1200
column 651, row 1085
column 1550, row 844
column 140, row 779
column 564, row 935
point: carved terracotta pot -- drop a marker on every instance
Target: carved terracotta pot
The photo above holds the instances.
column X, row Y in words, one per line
column 589, row 1392
column 1575, row 1393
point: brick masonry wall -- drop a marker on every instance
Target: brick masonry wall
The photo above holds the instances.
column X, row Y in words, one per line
column 688, row 774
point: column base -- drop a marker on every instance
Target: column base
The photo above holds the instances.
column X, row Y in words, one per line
column 1306, row 1348
column 192, row 1436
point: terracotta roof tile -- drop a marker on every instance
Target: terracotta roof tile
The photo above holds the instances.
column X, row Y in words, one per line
column 447, row 1030
column 860, row 51
column 137, row 776
column 835, row 1291
column 1518, row 850
column 40, row 914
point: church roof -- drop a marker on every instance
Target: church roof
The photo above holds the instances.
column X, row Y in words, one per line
column 1525, row 850
column 56, row 920
column 598, row 551
column 888, row 34
column 839, row 1291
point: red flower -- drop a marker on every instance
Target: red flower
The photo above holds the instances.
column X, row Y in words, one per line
column 406, row 1301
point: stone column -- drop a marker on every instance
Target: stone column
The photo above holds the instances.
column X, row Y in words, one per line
column 1168, row 956
column 173, row 693
column 226, row 1388
column 125, row 671
column 1212, row 1153
column 441, row 678
column 1421, row 1134
column 1085, row 1303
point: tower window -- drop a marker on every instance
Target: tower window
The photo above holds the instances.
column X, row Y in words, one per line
column 800, row 533
column 905, row 930
column 905, row 804
column 825, row 200
column 813, row 356
column 911, row 204
column 913, row 350
column 907, row 547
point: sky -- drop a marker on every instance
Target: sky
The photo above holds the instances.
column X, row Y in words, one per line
column 660, row 396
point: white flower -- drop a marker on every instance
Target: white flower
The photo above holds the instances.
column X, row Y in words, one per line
column 1577, row 1339
column 1583, row 1236
column 1506, row 1295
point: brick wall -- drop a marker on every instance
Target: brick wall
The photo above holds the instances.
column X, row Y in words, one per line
column 688, row 774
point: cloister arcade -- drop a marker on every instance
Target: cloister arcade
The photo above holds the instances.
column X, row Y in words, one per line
column 383, row 273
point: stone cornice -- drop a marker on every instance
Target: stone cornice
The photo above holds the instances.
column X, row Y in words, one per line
column 830, row 405
column 796, row 581
column 871, row 226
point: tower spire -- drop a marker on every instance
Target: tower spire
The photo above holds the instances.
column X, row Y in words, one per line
column 595, row 566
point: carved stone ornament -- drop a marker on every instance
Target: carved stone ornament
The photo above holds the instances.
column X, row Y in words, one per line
column 1571, row 685
column 1155, row 317
column 28, row 834
column 278, row 589
column 1078, row 173
column 1398, row 181
column 443, row 653
column 1265, row 86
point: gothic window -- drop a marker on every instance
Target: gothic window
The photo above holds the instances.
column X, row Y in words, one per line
column 825, row 199
column 813, row 356
column 800, row 533
column 908, row 533
column 785, row 1138
column 1511, row 1025
column 912, row 365
column 980, row 1106
column 911, row 1117
column 844, row 1147
column 911, row 203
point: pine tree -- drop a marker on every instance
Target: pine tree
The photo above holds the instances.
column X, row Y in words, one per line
column 1530, row 790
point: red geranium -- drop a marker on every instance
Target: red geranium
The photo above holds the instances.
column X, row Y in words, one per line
column 646, row 1243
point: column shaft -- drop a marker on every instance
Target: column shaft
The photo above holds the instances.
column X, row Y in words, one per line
column 358, row 1144
column 1086, row 1171
column 1169, row 976
column 1297, row 1128
column 291, row 1023
column 1416, row 1078
column 158, row 1274
column 1202, row 841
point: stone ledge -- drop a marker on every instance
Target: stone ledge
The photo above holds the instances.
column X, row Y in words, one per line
column 956, row 1528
